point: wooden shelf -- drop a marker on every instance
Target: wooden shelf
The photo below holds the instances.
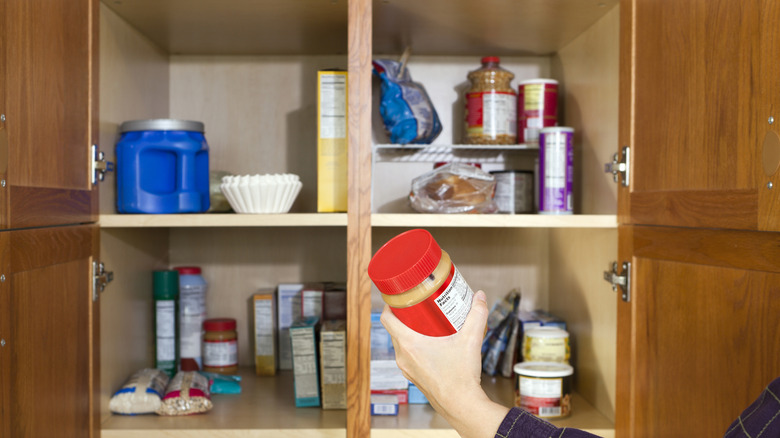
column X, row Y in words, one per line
column 494, row 220
column 239, row 27
column 265, row 405
column 223, row 220
column 421, row 421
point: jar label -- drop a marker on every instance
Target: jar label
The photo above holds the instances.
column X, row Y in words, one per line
column 166, row 330
column 541, row 397
column 220, row 353
column 455, row 301
column 491, row 113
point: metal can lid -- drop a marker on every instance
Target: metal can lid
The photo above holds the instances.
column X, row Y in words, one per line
column 547, row 332
column 161, row 125
column 538, row 81
column 543, row 369
column 556, row 129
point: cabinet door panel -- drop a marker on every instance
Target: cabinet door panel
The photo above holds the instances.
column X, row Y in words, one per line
column 698, row 98
column 49, row 108
column 51, row 359
column 703, row 318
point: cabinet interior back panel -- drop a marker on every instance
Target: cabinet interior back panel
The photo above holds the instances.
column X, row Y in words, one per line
column 134, row 79
column 260, row 113
column 236, row 263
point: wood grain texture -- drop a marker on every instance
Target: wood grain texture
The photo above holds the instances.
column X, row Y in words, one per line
column 50, row 352
column 41, row 247
column 359, row 219
column 707, row 342
column 694, row 133
column 5, row 334
column 4, row 152
column 626, row 101
column 93, row 115
column 626, row 365
column 729, row 249
column 768, row 78
column 94, row 346
column 734, row 209
column 41, row 207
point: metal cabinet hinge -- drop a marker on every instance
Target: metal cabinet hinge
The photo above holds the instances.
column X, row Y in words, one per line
column 620, row 280
column 620, row 167
column 99, row 165
column 100, row 278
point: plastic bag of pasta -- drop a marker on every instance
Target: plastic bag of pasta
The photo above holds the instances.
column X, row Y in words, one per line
column 454, row 188
column 187, row 394
column 407, row 111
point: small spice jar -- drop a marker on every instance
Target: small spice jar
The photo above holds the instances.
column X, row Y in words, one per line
column 491, row 105
column 420, row 283
column 220, row 346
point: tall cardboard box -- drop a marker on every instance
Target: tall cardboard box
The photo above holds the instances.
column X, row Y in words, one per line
column 303, row 337
column 331, row 141
column 333, row 369
column 288, row 301
column 263, row 308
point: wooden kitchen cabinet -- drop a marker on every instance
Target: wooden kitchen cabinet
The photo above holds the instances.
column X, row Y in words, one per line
column 691, row 229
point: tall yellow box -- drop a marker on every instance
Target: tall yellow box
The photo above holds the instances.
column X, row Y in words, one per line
column 265, row 333
column 331, row 141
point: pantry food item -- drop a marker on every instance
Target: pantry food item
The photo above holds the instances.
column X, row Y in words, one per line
column 220, row 346
column 192, row 313
column 556, row 170
column 407, row 112
column 454, row 188
column 268, row 193
column 303, row 337
column 263, row 304
column 491, row 105
column 331, row 141
column 537, row 108
column 141, row 393
column 546, row 344
column 186, row 394
column 420, row 283
column 333, row 369
column 217, row 199
column 514, row 191
column 544, row 388
column 162, row 167
column 166, row 293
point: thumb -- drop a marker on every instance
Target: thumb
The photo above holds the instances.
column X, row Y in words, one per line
column 477, row 317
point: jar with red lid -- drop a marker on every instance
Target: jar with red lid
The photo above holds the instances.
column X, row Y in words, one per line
column 220, row 346
column 420, row 283
column 491, row 105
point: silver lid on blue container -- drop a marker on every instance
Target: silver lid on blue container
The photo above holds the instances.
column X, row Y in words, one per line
column 161, row 125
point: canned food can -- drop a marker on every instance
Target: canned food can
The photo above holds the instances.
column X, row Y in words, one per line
column 514, row 191
column 556, row 170
column 546, row 344
column 544, row 388
column 537, row 108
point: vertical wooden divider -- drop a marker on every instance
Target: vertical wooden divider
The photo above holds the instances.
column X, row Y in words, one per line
column 359, row 220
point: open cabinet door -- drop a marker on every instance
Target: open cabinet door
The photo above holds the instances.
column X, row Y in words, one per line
column 698, row 337
column 49, row 358
column 48, row 122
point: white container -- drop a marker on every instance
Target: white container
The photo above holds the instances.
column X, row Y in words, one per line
column 192, row 313
column 546, row 344
column 544, row 388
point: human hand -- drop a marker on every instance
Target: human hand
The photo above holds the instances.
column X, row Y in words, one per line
column 448, row 370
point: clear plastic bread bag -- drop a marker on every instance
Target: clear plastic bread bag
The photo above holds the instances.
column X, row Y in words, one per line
column 454, row 188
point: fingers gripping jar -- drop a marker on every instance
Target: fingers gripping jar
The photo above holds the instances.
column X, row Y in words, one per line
column 420, row 283
column 491, row 105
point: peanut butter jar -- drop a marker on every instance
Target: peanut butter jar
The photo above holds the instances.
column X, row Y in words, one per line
column 220, row 346
column 420, row 283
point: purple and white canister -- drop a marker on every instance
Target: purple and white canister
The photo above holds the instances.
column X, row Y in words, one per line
column 556, row 170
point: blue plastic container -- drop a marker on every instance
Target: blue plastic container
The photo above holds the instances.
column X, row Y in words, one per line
column 162, row 166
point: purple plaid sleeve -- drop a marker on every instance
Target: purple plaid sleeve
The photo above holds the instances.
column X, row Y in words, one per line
column 520, row 424
column 762, row 418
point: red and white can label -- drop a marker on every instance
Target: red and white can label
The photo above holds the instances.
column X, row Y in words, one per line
column 220, row 354
column 491, row 113
column 537, row 109
column 541, row 397
column 455, row 301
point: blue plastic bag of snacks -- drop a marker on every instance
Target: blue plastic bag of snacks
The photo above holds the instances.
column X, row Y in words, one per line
column 406, row 109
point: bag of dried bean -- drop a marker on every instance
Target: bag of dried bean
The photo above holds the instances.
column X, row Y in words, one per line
column 140, row 394
column 187, row 394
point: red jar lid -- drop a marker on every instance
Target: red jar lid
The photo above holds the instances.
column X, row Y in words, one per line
column 404, row 262
column 493, row 59
column 188, row 270
column 219, row 324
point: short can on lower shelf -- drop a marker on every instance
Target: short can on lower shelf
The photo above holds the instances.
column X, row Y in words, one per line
column 544, row 388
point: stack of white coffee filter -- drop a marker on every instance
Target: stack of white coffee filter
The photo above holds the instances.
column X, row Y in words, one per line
column 269, row 193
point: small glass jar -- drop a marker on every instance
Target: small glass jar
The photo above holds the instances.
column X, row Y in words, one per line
column 220, row 346
column 491, row 105
column 546, row 344
column 420, row 283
